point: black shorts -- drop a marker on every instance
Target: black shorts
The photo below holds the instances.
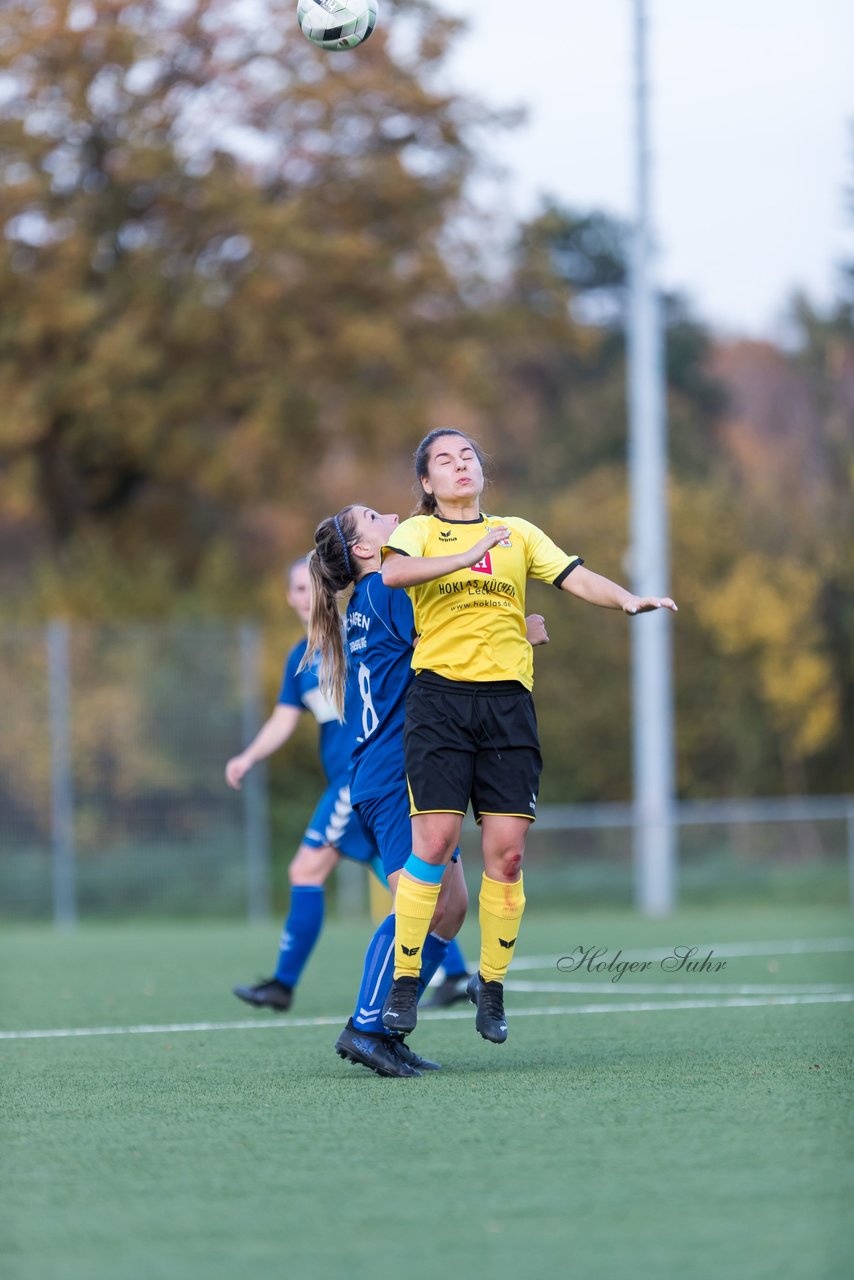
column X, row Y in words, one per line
column 471, row 742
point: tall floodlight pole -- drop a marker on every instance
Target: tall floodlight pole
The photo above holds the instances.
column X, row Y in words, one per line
column 652, row 695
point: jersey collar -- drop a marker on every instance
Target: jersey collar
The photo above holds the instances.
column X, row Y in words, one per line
column 481, row 519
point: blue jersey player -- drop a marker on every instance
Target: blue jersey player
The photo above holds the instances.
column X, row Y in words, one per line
column 334, row 830
column 367, row 674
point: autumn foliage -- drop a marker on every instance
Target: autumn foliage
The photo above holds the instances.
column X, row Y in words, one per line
column 241, row 278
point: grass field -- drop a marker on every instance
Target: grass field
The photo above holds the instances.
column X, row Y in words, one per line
column 639, row 1128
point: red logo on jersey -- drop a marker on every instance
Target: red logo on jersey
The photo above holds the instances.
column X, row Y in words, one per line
column 484, row 565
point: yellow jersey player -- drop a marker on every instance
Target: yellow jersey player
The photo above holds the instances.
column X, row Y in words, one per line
column 471, row 730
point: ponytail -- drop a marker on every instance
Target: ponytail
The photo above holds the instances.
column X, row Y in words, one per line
column 331, row 571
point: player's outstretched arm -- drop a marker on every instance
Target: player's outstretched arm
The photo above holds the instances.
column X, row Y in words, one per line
column 273, row 734
column 410, row 571
column 595, row 589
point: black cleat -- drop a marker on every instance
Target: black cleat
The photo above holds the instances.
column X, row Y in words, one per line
column 271, row 994
column 489, row 998
column 413, row 1059
column 373, row 1050
column 448, row 992
column 400, row 1011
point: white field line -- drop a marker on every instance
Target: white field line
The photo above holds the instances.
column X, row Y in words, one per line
column 722, row 950
column 175, row 1028
column 445, row 1015
column 630, row 987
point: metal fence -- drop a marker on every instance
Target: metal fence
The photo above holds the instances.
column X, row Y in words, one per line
column 112, row 800
column 790, row 849
column 112, row 746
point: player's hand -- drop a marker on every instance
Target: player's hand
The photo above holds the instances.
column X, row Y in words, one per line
column 535, row 629
column 236, row 770
column 646, row 604
column 496, row 533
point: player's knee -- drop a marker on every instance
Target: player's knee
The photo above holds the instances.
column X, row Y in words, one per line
column 436, row 847
column 509, row 864
column 299, row 876
column 310, row 867
column 514, row 863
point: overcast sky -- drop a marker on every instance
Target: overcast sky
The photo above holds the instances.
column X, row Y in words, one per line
column 752, row 115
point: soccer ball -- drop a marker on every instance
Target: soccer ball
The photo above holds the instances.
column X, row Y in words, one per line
column 337, row 24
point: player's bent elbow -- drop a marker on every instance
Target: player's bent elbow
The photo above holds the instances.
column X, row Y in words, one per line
column 394, row 570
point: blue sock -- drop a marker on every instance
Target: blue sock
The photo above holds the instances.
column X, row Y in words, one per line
column 376, row 978
column 455, row 962
column 301, row 931
column 379, row 971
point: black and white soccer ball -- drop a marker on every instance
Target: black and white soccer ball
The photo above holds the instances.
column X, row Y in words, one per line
column 337, row 24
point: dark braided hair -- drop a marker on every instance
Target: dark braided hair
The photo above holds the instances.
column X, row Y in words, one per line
column 426, row 501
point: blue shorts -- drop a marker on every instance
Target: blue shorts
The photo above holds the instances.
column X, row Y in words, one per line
column 336, row 822
column 387, row 819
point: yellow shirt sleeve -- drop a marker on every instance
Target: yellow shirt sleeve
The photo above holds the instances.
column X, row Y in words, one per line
column 546, row 561
column 409, row 537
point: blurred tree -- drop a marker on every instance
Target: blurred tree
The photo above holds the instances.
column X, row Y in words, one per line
column 826, row 362
column 788, row 599
column 225, row 283
column 760, row 495
column 240, row 279
column 558, row 339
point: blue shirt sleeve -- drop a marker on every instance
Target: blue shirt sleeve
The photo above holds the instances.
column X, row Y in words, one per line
column 290, row 694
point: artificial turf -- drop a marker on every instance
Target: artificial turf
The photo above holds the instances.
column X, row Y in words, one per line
column 708, row 1142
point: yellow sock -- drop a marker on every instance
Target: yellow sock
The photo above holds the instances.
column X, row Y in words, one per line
column 414, row 904
column 501, row 907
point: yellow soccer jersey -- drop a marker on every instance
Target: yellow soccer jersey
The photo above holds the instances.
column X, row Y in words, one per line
column 472, row 623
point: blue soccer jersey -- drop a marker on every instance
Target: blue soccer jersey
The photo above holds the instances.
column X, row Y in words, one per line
column 300, row 689
column 380, row 630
